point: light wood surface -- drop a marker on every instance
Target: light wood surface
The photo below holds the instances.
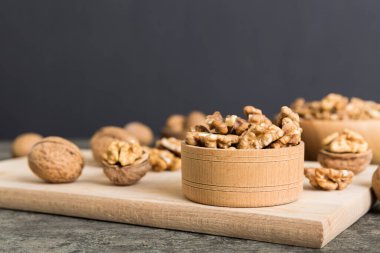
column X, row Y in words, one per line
column 312, row 221
column 242, row 177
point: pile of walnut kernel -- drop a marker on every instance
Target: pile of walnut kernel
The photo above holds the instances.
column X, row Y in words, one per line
column 346, row 141
column 255, row 132
column 166, row 155
column 337, row 107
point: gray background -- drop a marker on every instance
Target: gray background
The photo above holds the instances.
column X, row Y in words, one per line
column 69, row 67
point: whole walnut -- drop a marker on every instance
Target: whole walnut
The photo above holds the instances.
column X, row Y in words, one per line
column 176, row 123
column 24, row 143
column 102, row 138
column 195, row 118
column 376, row 183
column 56, row 160
column 141, row 131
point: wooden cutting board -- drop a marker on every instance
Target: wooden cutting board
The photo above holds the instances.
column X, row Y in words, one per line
column 157, row 201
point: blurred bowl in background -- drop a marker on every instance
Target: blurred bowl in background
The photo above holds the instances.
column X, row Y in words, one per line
column 355, row 162
column 314, row 131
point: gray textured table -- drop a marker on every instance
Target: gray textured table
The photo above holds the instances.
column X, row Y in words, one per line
column 34, row 232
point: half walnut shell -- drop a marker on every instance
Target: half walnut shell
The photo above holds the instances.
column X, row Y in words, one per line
column 127, row 175
column 355, row 162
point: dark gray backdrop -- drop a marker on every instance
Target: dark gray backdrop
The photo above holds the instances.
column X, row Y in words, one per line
column 69, row 67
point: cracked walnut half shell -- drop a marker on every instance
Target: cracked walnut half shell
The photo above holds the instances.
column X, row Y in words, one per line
column 125, row 163
column 345, row 150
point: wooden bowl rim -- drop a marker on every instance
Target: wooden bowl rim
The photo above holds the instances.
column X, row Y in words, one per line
column 345, row 155
column 269, row 151
column 340, row 121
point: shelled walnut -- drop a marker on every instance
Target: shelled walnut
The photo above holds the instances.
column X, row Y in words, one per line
column 289, row 121
column 329, row 179
column 166, row 155
column 171, row 144
column 211, row 140
column 337, row 107
column 161, row 160
column 125, row 162
column 122, row 153
column 257, row 132
column 347, row 141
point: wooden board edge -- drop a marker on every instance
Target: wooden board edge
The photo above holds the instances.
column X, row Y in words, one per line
column 367, row 200
column 296, row 232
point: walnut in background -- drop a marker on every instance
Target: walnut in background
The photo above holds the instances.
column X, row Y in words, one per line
column 177, row 125
column 346, row 141
column 23, row 144
column 141, row 131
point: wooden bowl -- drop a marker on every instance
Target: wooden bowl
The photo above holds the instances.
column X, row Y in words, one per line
column 314, row 131
column 348, row 161
column 242, row 177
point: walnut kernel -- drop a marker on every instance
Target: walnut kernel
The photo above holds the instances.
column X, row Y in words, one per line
column 125, row 163
column 347, row 141
column 329, row 179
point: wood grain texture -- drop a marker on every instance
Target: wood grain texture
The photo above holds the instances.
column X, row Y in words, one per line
column 312, row 221
column 242, row 177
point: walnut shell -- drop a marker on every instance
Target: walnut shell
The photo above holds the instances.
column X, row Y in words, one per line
column 24, row 143
column 355, row 162
column 195, row 118
column 127, row 175
column 167, row 132
column 104, row 136
column 376, row 182
column 56, row 160
column 141, row 131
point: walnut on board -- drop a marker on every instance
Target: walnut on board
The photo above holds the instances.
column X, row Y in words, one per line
column 329, row 179
column 56, row 160
column 125, row 163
